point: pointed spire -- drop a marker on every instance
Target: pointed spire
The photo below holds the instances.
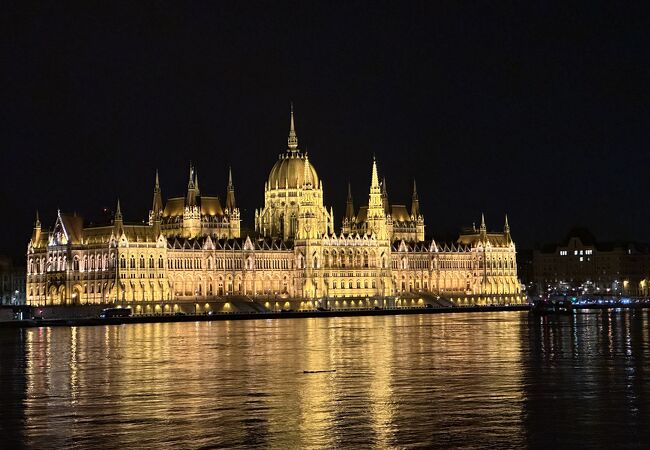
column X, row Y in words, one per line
column 349, row 206
column 506, row 230
column 415, row 202
column 192, row 188
column 190, row 183
column 230, row 193
column 293, row 138
column 483, row 228
column 157, row 206
column 118, row 212
column 37, row 224
column 374, row 182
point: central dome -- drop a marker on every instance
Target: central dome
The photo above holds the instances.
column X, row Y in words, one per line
column 289, row 171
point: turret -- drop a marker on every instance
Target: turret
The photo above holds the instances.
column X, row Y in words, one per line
column 506, row 231
column 415, row 203
column 349, row 206
column 230, row 194
column 483, row 229
column 376, row 216
column 36, row 234
column 192, row 188
column 117, row 219
column 306, row 176
column 157, row 205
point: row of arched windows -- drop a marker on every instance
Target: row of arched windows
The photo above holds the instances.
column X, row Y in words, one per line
column 350, row 284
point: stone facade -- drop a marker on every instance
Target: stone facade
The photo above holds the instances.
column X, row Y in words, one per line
column 580, row 264
column 191, row 250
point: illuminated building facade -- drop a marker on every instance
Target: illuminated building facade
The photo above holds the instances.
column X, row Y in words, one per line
column 191, row 252
column 579, row 264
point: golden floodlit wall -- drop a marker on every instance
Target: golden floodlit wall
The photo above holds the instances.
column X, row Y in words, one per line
column 190, row 250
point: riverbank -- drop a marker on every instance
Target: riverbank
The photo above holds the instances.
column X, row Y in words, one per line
column 90, row 321
column 287, row 315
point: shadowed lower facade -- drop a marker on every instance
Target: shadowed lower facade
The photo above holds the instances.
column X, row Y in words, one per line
column 191, row 251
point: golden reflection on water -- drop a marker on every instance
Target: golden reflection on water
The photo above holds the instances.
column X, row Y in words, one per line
column 443, row 380
column 228, row 383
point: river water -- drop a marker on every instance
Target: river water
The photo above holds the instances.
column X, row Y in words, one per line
column 471, row 380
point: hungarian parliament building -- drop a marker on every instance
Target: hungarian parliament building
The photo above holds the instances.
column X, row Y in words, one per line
column 191, row 253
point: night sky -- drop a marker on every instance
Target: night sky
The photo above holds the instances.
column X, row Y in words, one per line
column 541, row 112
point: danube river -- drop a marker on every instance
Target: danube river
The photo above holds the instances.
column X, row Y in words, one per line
column 499, row 380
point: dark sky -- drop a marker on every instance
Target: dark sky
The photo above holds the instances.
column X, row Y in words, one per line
column 539, row 111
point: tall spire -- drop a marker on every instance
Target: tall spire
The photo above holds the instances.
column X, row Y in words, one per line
column 118, row 212
column 37, row 224
column 157, row 206
column 230, row 193
column 293, row 138
column 376, row 215
column 374, row 182
column 190, row 183
column 415, row 202
column 506, row 231
column 483, row 228
column 375, row 200
column 192, row 188
column 349, row 206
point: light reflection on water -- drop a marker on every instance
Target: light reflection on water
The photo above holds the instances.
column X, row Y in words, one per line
column 469, row 380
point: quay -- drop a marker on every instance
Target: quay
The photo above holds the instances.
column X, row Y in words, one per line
column 221, row 316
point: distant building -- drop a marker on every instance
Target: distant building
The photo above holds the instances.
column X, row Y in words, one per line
column 192, row 250
column 581, row 264
column 12, row 282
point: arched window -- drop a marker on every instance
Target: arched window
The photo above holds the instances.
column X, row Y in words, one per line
column 160, row 262
column 122, row 262
column 132, row 265
column 75, row 263
column 151, row 263
column 142, row 261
